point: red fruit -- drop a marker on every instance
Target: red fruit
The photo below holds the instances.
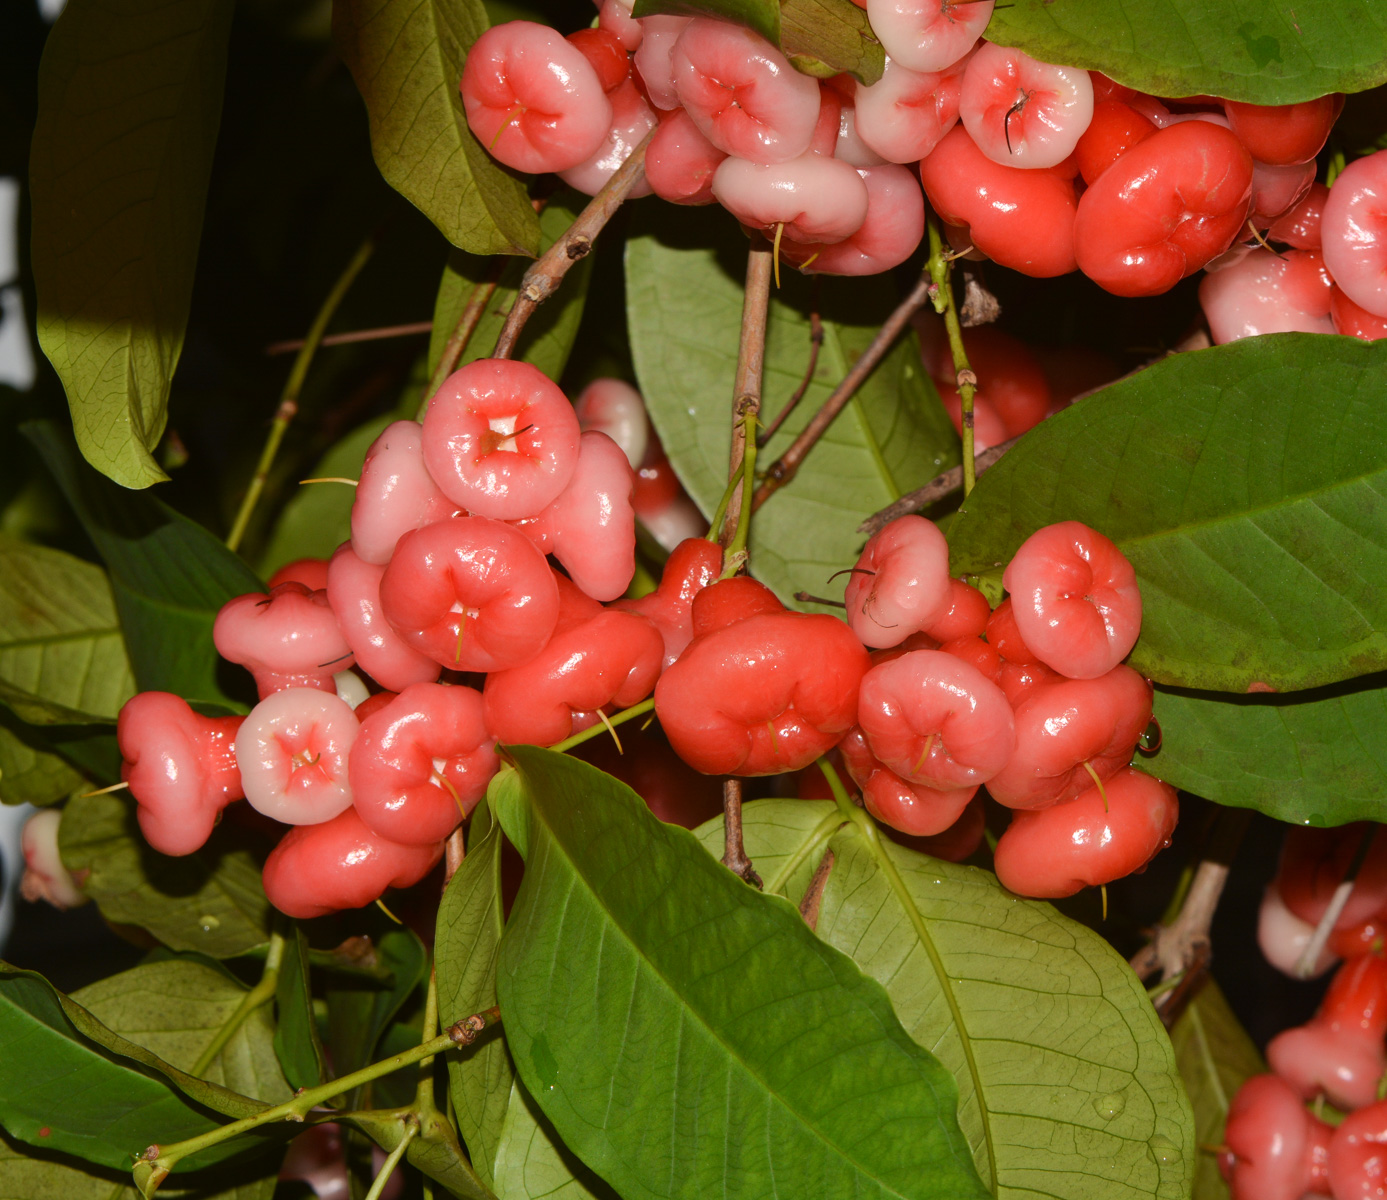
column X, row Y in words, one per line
column 936, row 720
column 1075, row 599
column 1089, row 840
column 311, row 572
column 532, row 99
column 728, row 601
column 421, row 763
column 292, row 751
column 1339, row 1051
column 1354, row 232
column 680, row 161
column 1282, row 134
column 1357, row 1167
column 1020, row 680
column 766, row 694
column 976, row 653
column 181, row 768
column 1368, row 938
column 340, row 863
column 353, row 591
column 1070, row 732
column 1006, row 637
column 1021, row 219
column 1300, row 227
column 900, row 584
column 472, row 594
column 1284, row 937
column 373, row 704
column 605, row 54
column 1010, row 380
column 1108, row 89
column 1275, row 1149
column 966, row 615
column 286, row 639
column 961, row 840
column 912, row 808
column 612, row 658
column 1168, row 206
column 692, row 566
column 1314, row 863
column 1115, row 129
column 1277, row 190
column 1349, row 318
column 500, row 439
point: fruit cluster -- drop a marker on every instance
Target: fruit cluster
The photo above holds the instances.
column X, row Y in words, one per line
column 1274, row 1148
column 1040, row 167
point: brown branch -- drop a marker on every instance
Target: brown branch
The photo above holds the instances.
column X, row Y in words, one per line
column 784, row 469
column 734, row 848
column 469, row 1029
column 746, row 387
column 936, row 489
column 357, row 335
column 454, row 851
column 814, row 897
column 466, row 326
column 816, row 341
column 547, row 272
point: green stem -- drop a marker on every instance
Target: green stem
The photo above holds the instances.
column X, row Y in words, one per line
column 941, row 273
column 626, row 714
column 423, row 1097
column 289, row 398
column 736, row 548
column 393, row 1160
column 835, row 785
column 714, row 533
column 261, row 994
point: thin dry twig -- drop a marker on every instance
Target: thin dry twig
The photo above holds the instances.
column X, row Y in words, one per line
column 936, row 489
column 734, row 848
column 816, row 341
column 746, row 387
column 814, row 896
column 412, row 329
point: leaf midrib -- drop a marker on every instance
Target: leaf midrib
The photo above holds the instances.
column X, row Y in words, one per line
column 699, row 1018
column 57, row 639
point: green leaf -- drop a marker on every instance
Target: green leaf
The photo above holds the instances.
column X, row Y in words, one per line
column 1316, row 758
column 791, row 837
column 70, row 1084
column 211, row 901
column 168, row 574
column 532, row 1161
column 297, row 1044
column 465, row 949
column 360, row 1009
column 1215, row 1056
column 30, row 774
column 435, row 1152
column 1247, row 485
column 686, row 1034
column 1273, row 52
column 130, row 97
column 406, row 57
column 62, row 659
column 684, row 273
column 548, row 336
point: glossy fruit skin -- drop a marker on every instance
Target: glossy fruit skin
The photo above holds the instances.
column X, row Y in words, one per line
column 1057, row 851
column 614, row 407
column 1010, row 381
column 1357, row 1167
column 935, row 719
column 311, row 572
column 912, row 808
column 1283, row 937
column 1164, row 209
column 692, row 566
column 1003, row 633
column 1283, row 134
column 1314, row 862
column 966, row 615
column 605, row 54
column 1354, row 320
column 1354, row 232
column 1116, row 127
column 286, row 639
column 1339, row 1052
column 181, row 768
column 340, row 864
column 353, row 591
column 292, row 751
column 680, row 161
column 1020, row 219
column 1075, row 599
column 493, row 573
column 903, row 116
column 1275, row 1149
column 928, row 35
column 500, row 439
column 900, row 584
column 654, row 59
column 1300, row 227
column 1268, row 292
column 632, row 119
column 395, row 493
column 816, row 199
column 1066, row 728
column 889, row 234
column 1021, row 112
column 563, row 113
column 763, row 695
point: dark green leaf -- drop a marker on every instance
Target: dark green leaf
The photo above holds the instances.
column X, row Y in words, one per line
column 211, row 901
column 70, row 1084
column 359, row 1010
column 1247, row 485
column 686, row 1034
column 761, row 15
column 548, row 335
column 62, row 659
column 824, row 38
column 297, row 1045
column 1317, row 758
column 169, row 574
column 130, row 97
column 29, row 773
column 465, row 949
column 1276, row 52
column 406, row 57
column 684, row 274
column 1215, row 1056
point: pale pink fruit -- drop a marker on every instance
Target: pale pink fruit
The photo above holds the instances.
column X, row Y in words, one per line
column 928, row 35
column 614, row 407
column 1022, row 112
column 654, row 59
column 815, row 199
column 632, row 119
column 904, row 114
column 353, row 590
column 615, row 17
column 287, row 639
column 292, row 752
column 45, row 877
column 1354, row 232
column 1283, row 936
column 1265, row 292
column 900, row 584
column 889, row 234
column 395, row 494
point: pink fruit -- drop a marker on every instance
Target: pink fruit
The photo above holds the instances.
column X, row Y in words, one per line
column 632, row 119
column 1075, row 599
column 532, row 99
column 912, row 808
column 1357, row 1167
column 1022, row 112
column 815, row 199
column 311, row 572
column 395, row 494
column 692, row 565
column 181, row 768
column 1266, row 292
column 1010, row 381
column 1354, row 232
column 286, row 639
column 1283, row 936
column 742, row 93
column 1090, row 840
column 1019, row 681
column 900, row 584
column 605, row 54
column 338, row 864
column 1277, row 190
column 1353, row 320
column 1300, row 227
column 421, row 763
column 500, row 439
column 353, row 590
column 472, row 594
column 966, row 615
column 928, row 35
column 889, row 234
column 1003, row 633
column 292, row 751
column 680, row 161
column 1071, row 734
column 654, row 59
column 614, row 407
column 1275, row 1149
column 615, row 18
column 936, row 720
column 1314, row 862
column 850, row 147
column 45, row 877
column 904, row 114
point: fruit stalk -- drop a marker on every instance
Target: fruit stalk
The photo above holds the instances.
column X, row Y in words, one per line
column 940, row 268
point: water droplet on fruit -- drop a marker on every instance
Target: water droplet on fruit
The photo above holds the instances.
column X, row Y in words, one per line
column 1164, row 1151
column 207, row 923
column 1109, row 1106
